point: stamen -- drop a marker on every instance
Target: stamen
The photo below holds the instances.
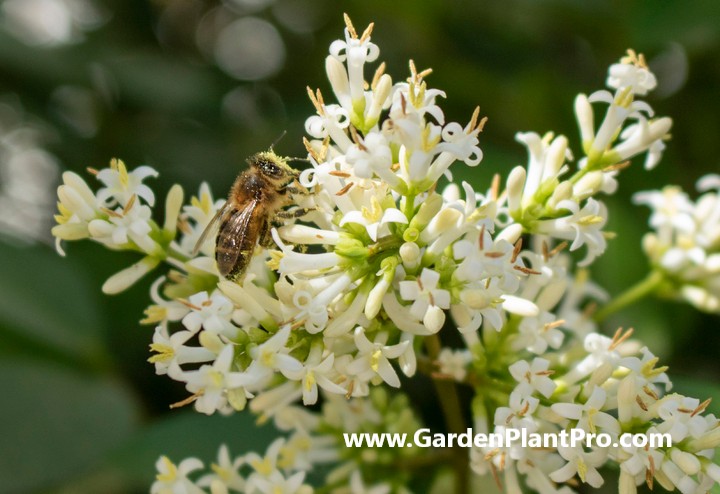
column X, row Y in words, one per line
column 641, row 403
column 618, row 339
column 368, row 31
column 496, row 477
column 701, row 407
column 378, row 74
column 650, row 392
column 495, row 187
column 317, row 100
column 345, row 189
column 516, row 250
column 473, row 120
column 356, row 139
column 310, row 150
column 526, row 270
column 350, row 27
column 559, row 248
column 187, row 400
column 481, row 124
column 617, row 166
column 189, row 304
column 110, row 212
column 553, row 325
column 650, row 472
column 130, row 204
column 351, row 387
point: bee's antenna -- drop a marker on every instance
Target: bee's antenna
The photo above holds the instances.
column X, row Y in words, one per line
column 293, row 158
column 283, row 134
column 289, row 158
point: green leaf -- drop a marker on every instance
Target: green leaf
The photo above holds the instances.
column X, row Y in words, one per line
column 57, row 424
column 48, row 306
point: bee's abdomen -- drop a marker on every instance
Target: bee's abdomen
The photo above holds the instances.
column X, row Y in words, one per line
column 236, row 242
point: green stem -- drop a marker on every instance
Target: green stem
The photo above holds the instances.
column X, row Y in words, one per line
column 641, row 289
column 409, row 206
column 452, row 410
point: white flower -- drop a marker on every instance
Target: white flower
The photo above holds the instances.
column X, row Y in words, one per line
column 518, row 413
column 538, row 333
column 121, row 186
column 583, row 227
column 580, row 462
column 372, row 156
column 374, row 219
column 547, row 155
column 225, row 471
column 535, row 375
column 272, row 356
column 686, row 242
column 428, row 299
column 211, row 313
column 77, row 206
column 589, row 416
column 644, row 136
column 172, row 479
column 171, row 350
column 631, row 73
column 211, row 382
column 125, row 225
column 373, row 357
column 195, row 218
column 356, row 51
column 277, row 483
column 679, row 419
column 454, row 363
column 315, row 372
column 636, row 461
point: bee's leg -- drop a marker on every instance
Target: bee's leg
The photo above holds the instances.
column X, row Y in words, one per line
column 291, row 189
column 294, row 213
column 265, row 238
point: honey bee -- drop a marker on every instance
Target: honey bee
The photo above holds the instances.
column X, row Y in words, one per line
column 255, row 200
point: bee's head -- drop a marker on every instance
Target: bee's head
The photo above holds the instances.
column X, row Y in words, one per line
column 272, row 167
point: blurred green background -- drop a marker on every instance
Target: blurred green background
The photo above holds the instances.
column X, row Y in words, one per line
column 191, row 87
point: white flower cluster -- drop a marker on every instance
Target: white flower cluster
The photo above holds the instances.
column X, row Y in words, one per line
column 358, row 293
column 395, row 256
column 313, row 439
column 118, row 216
column 612, row 387
column 545, row 202
column 685, row 244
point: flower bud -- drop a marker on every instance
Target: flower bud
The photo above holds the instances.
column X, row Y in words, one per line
column 515, row 185
column 588, row 185
column 687, row 462
column 410, row 255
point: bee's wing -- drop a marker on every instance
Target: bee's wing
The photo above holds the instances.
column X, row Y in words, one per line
column 209, row 229
column 237, row 238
